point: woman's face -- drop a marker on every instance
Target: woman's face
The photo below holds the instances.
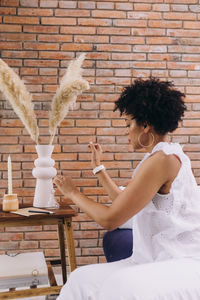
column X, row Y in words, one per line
column 133, row 131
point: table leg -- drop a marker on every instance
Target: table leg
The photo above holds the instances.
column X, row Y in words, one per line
column 62, row 250
column 70, row 243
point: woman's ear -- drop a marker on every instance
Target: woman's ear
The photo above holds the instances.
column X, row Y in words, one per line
column 147, row 128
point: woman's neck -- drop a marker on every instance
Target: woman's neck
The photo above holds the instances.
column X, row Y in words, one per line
column 157, row 139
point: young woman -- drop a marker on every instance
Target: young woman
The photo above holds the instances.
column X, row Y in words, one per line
column 162, row 196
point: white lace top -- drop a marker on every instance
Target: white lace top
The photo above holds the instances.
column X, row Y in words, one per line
column 169, row 225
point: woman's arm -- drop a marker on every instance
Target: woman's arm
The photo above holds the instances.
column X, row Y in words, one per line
column 156, row 171
column 108, row 184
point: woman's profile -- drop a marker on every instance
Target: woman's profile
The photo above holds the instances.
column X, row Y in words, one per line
column 162, row 197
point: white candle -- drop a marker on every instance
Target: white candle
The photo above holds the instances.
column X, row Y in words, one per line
column 9, row 175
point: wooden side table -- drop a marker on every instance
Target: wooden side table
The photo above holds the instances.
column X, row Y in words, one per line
column 63, row 219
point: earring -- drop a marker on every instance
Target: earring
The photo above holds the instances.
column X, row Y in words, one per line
column 144, row 146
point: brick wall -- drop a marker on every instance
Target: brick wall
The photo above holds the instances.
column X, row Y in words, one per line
column 123, row 40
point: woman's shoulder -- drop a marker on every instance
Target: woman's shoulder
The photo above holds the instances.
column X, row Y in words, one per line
column 167, row 148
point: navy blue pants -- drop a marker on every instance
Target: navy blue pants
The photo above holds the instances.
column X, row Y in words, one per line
column 118, row 244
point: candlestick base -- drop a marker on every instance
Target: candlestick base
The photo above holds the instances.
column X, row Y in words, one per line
column 10, row 202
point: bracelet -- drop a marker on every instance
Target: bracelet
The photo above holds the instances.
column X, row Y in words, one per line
column 98, row 169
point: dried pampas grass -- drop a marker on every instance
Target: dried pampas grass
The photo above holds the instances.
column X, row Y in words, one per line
column 20, row 99
column 71, row 85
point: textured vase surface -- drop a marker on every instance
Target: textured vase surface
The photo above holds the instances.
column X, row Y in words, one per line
column 44, row 172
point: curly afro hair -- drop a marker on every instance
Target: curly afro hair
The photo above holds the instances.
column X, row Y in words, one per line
column 153, row 102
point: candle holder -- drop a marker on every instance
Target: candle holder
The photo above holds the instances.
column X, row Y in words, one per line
column 10, row 202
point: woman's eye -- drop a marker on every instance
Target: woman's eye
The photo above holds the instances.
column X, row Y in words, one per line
column 127, row 125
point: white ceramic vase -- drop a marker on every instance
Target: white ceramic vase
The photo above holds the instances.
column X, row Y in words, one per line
column 44, row 172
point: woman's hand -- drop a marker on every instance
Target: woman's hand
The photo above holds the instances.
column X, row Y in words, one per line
column 65, row 185
column 95, row 155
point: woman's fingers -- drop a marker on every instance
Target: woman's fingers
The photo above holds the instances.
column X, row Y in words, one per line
column 95, row 147
column 58, row 179
column 99, row 147
column 91, row 146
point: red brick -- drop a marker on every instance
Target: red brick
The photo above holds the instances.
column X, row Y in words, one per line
column 72, row 13
column 159, row 40
column 183, row 49
column 40, row 29
column 67, row 4
column 56, row 55
column 149, row 31
column 178, row 73
column 161, row 7
column 78, row 30
column 40, row 79
column 40, row 63
column 186, row 131
column 105, row 5
column 183, row 33
column 47, row 71
column 11, row 236
column 87, row 4
column 130, row 23
column 142, row 6
column 94, row 22
column 127, row 40
column 11, row 123
column 191, row 123
column 11, row 45
column 124, row 6
column 144, row 15
column 21, row 54
column 193, row 90
column 91, row 39
column 191, row 25
column 88, row 259
column 42, row 46
column 35, row 12
column 18, row 37
column 179, row 7
column 108, row 14
column 113, row 80
column 10, row 148
column 49, row 3
column 40, row 235
column 113, row 31
column 76, row 47
column 32, row 3
column 8, row 245
column 9, row 2
column 7, row 11
column 165, row 24
column 29, row 245
column 21, row 20
column 58, row 21
column 55, row 38
column 150, row 65
column 179, row 16
column 78, row 147
column 8, row 140
column 10, row 28
column 182, row 65
column 147, row 48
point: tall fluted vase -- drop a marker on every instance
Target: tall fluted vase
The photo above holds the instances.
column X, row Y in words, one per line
column 44, row 172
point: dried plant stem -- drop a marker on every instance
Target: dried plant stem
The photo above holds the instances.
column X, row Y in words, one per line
column 20, row 99
column 71, row 85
